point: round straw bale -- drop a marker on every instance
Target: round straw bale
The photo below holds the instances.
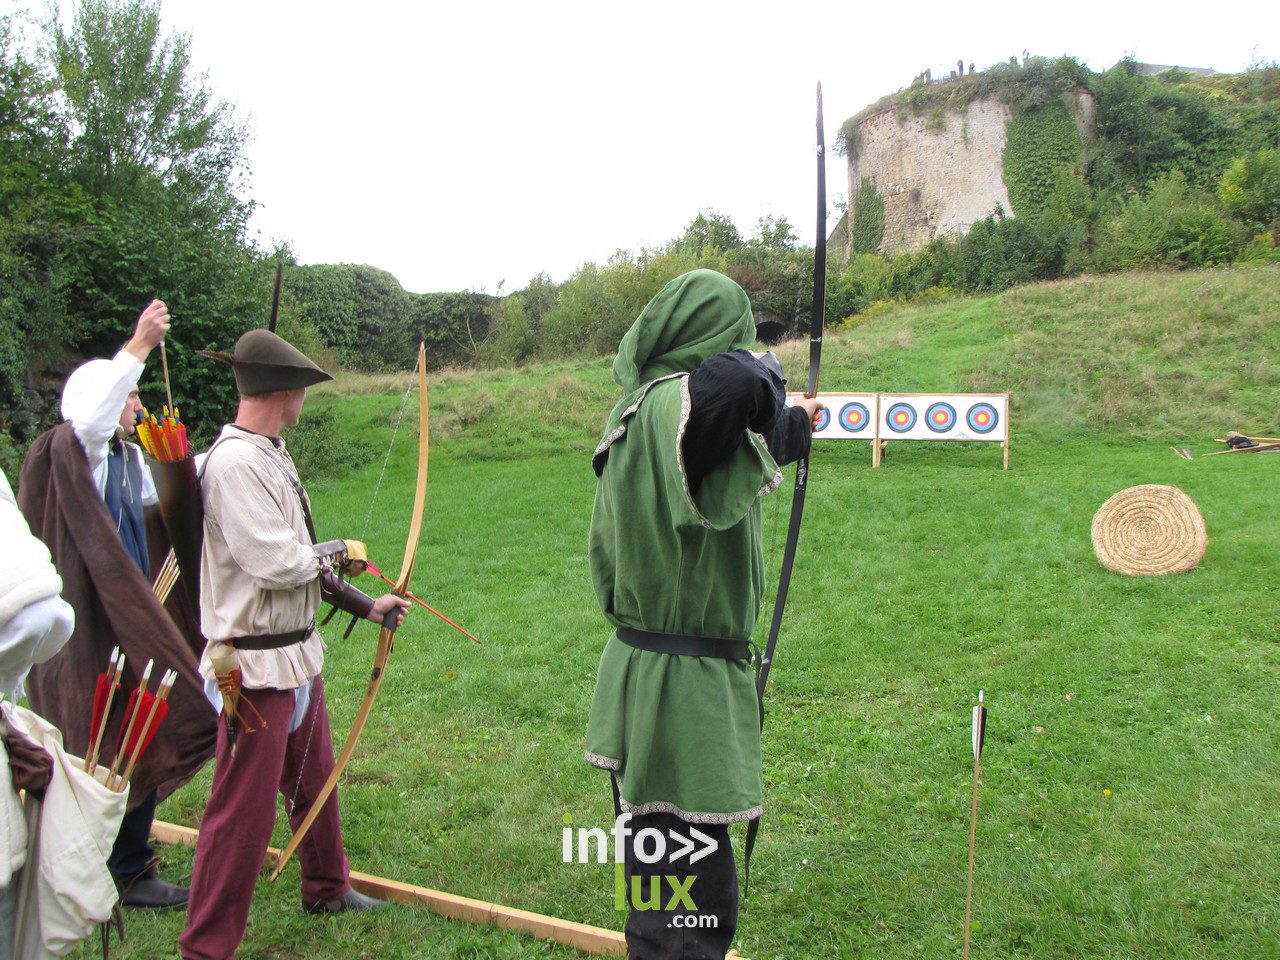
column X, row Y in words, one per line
column 1149, row 529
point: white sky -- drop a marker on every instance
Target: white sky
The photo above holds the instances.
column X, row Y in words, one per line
column 459, row 144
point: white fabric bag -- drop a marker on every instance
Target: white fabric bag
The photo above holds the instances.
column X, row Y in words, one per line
column 72, row 892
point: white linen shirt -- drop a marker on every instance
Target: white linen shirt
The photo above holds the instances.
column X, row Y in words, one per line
column 258, row 572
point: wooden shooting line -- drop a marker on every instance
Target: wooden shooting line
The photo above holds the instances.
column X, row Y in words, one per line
column 581, row 936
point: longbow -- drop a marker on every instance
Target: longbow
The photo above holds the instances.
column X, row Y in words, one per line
column 386, row 636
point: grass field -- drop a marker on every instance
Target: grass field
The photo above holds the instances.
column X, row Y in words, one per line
column 916, row 585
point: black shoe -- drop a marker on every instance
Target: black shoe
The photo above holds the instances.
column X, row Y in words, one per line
column 149, row 892
column 348, row 901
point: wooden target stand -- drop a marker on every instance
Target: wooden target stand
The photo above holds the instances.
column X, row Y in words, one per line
column 581, row 936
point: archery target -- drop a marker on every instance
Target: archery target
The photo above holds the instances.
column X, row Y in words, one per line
column 900, row 418
column 940, row 417
column 982, row 418
column 944, row 416
column 848, row 416
column 854, row 416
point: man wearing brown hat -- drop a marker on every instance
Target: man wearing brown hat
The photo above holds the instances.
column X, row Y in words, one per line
column 262, row 578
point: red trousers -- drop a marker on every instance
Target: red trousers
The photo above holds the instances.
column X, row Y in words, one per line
column 238, row 820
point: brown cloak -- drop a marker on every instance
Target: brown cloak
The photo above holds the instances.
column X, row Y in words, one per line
column 114, row 605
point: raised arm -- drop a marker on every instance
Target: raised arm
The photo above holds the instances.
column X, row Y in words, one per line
column 96, row 394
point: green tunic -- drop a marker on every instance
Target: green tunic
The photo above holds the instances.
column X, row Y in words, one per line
column 682, row 734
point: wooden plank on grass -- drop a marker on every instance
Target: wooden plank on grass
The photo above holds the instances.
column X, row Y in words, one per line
column 582, row 936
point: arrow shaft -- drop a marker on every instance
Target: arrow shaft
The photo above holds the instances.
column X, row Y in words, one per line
column 422, row 603
column 973, row 840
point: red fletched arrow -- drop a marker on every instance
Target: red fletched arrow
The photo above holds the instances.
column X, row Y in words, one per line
column 141, row 733
column 103, row 694
column 372, row 568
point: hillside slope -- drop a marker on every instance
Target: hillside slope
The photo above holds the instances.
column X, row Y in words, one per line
column 1157, row 353
column 1130, row 776
column 1142, row 351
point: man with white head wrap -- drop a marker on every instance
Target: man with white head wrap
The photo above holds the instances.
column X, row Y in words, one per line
column 100, row 403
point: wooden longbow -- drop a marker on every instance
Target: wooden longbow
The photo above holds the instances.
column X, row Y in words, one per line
column 386, row 636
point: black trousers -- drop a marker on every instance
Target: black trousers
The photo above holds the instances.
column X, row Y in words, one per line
column 132, row 853
column 703, row 933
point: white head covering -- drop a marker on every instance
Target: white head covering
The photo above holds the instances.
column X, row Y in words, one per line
column 85, row 387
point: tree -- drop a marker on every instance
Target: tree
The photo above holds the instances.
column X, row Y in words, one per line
column 710, row 231
column 776, row 233
column 32, row 152
column 139, row 118
column 1250, row 189
column 118, row 183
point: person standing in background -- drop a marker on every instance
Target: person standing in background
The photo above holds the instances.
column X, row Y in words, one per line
column 85, row 488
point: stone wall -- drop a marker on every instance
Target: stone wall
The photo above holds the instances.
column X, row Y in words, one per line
column 939, row 174
column 933, row 178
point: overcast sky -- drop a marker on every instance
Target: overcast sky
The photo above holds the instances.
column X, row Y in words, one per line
column 461, row 145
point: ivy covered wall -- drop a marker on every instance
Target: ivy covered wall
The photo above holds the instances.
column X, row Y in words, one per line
column 868, row 218
column 1040, row 141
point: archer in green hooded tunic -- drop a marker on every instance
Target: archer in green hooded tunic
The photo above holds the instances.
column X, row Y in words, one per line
column 686, row 457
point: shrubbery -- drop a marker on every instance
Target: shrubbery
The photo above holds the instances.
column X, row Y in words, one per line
column 591, row 311
column 1172, row 225
column 120, row 180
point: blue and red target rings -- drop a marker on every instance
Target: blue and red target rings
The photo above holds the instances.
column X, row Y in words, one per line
column 940, row 417
column 982, row 418
column 900, row 418
column 854, row 416
column 821, row 420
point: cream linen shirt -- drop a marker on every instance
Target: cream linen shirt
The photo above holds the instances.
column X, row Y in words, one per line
column 258, row 572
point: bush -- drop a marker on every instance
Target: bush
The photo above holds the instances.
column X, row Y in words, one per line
column 1250, row 189
column 1261, row 249
column 513, row 336
column 1173, row 225
column 867, row 279
column 319, row 448
column 120, row 180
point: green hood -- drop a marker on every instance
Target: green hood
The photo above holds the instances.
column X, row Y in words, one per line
column 696, row 316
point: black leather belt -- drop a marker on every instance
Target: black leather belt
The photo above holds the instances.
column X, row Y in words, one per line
column 271, row 641
column 681, row 645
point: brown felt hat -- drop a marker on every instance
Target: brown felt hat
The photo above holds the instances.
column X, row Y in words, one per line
column 265, row 363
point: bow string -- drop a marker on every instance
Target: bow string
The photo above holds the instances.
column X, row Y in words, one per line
column 386, row 635
column 802, row 465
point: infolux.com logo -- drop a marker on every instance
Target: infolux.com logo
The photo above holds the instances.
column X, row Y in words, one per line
column 671, row 892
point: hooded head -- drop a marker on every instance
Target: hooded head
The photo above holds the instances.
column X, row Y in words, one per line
column 86, row 387
column 694, row 317
column 266, row 363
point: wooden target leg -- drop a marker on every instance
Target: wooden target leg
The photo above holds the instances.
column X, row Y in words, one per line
column 1005, row 445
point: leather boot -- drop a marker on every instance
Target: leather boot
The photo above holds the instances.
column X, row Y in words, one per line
column 147, row 891
column 348, row 901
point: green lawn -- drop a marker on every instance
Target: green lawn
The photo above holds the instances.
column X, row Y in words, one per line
column 916, row 585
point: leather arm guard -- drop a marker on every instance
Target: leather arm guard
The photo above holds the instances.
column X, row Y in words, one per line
column 339, row 558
